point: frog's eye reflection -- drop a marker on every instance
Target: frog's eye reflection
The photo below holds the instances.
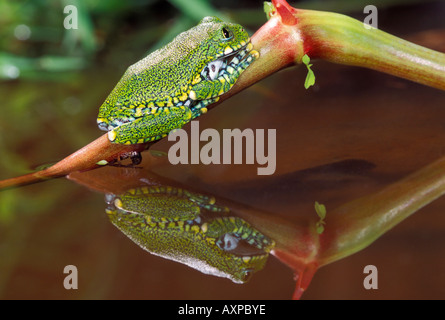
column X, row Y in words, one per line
column 227, row 34
column 228, row 242
column 246, row 275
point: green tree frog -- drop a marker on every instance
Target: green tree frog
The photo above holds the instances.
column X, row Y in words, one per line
column 176, row 83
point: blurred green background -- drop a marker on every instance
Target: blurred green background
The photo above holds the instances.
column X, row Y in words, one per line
column 52, row 81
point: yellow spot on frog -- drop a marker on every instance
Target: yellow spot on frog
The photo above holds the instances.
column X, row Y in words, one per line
column 138, row 112
column 112, row 135
column 196, row 79
column 228, row 50
column 255, row 54
column 145, row 190
column 183, row 97
column 169, row 103
column 118, row 203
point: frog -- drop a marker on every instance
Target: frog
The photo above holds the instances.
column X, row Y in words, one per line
column 190, row 228
column 176, row 83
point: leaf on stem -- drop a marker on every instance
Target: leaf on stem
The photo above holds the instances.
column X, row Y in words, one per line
column 269, row 9
column 310, row 78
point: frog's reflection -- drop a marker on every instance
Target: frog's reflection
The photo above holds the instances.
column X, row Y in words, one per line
column 190, row 228
column 220, row 236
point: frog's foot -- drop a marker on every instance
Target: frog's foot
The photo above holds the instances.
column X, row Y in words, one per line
column 135, row 157
column 150, row 127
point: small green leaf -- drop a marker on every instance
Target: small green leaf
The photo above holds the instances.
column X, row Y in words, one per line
column 310, row 78
column 268, row 9
column 321, row 210
column 306, row 59
column 319, row 228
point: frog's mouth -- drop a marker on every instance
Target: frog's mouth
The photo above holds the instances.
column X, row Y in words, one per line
column 231, row 57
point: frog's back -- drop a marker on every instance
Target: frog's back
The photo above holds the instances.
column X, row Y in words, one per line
column 156, row 79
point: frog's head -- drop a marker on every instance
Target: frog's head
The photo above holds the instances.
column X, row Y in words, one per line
column 217, row 43
column 223, row 39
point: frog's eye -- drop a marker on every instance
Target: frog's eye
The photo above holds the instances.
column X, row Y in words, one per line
column 228, row 242
column 227, row 34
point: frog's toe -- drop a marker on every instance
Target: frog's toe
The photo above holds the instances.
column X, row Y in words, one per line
column 102, row 124
column 136, row 158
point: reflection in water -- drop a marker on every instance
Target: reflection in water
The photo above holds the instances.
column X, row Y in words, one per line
column 214, row 235
column 190, row 228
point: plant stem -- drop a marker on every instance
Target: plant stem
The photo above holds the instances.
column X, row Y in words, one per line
column 291, row 33
column 341, row 39
column 355, row 225
column 85, row 158
column 283, row 41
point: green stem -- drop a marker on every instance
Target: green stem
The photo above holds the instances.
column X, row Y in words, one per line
column 85, row 158
column 355, row 225
column 341, row 39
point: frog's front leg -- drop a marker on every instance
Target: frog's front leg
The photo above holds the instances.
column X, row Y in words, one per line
column 212, row 88
column 135, row 157
column 151, row 127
